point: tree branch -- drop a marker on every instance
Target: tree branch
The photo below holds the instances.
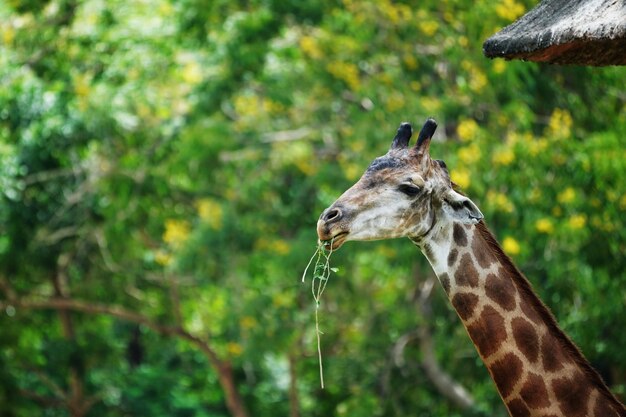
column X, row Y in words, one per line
column 44, row 401
column 109, row 310
column 444, row 383
column 175, row 300
column 294, row 400
column 53, row 386
column 7, row 288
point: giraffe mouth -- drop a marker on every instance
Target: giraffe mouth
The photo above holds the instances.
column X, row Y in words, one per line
column 336, row 241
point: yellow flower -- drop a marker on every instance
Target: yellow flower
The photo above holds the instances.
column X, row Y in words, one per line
column 499, row 65
column 384, row 78
column 394, row 102
column 234, row 349
column 560, row 124
column 505, row 204
column 247, row 105
column 503, row 157
column 577, row 221
column 544, row 226
column 511, row 246
column 345, row 71
column 503, row 120
column 248, row 322
column 210, row 212
column 500, row 201
column 357, row 145
column 192, row 73
column 470, row 154
column 611, row 195
column 176, row 232
column 389, row 11
column 428, row 27
column 8, row 34
column 162, row 257
column 478, row 79
column 461, row 177
column 82, row 85
column 467, row 129
column 351, row 171
column 282, row 299
column 281, row 247
column 165, row 9
column 536, row 146
column 510, row 10
column 271, row 106
column 410, row 61
column 566, row 196
column 278, row 246
column 535, row 195
column 309, row 46
column 431, row 103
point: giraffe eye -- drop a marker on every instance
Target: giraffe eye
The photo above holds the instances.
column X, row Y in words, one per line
column 408, row 189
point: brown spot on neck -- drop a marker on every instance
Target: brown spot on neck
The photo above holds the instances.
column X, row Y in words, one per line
column 534, row 392
column 464, row 304
column 501, row 290
column 506, row 372
column 572, row 395
column 466, row 274
column 551, row 356
column 526, row 338
column 488, row 332
column 459, row 235
column 483, row 254
column 445, row 281
column 517, row 408
column 452, row 257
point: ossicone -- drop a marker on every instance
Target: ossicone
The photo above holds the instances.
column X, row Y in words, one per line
column 403, row 135
column 427, row 132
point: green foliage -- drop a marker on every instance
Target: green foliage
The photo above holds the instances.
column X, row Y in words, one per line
column 171, row 158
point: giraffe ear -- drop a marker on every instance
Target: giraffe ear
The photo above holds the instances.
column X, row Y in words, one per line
column 461, row 208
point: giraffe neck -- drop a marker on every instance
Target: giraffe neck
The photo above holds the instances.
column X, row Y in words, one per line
column 537, row 370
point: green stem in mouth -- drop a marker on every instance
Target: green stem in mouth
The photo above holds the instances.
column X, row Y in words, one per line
column 321, row 273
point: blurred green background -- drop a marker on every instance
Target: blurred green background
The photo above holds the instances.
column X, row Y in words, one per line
column 163, row 164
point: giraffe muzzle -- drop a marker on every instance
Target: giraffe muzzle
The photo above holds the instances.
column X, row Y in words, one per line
column 331, row 226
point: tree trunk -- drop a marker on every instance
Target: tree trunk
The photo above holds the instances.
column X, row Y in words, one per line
column 75, row 400
column 234, row 402
column 294, row 401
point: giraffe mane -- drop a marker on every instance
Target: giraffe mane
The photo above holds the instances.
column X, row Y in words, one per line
column 544, row 312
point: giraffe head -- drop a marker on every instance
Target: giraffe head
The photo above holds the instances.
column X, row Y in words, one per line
column 403, row 193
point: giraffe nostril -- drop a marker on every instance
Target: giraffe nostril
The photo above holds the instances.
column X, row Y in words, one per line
column 332, row 215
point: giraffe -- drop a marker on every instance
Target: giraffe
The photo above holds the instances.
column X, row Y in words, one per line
column 537, row 369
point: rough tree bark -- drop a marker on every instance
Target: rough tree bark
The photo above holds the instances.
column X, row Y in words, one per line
column 582, row 32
